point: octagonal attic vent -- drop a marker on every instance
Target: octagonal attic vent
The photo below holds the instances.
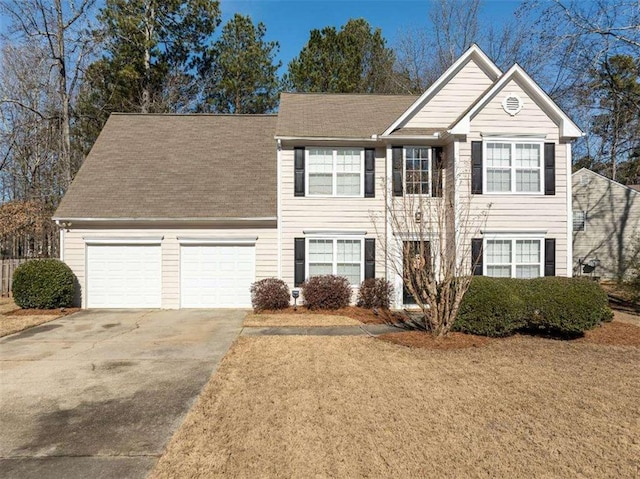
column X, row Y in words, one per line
column 512, row 104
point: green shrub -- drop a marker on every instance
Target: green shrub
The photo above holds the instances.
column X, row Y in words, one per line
column 492, row 307
column 566, row 306
column 269, row 293
column 326, row 292
column 43, row 284
column 552, row 305
column 375, row 293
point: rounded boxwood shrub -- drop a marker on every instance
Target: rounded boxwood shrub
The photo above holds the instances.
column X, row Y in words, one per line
column 43, row 284
column 326, row 292
column 492, row 307
column 566, row 306
column 269, row 293
column 375, row 293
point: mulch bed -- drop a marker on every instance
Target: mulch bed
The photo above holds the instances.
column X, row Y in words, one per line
column 42, row 312
column 615, row 333
column 363, row 315
column 420, row 339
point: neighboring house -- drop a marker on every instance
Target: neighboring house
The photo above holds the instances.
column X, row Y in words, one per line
column 187, row 210
column 606, row 225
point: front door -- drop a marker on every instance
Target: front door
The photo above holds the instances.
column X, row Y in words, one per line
column 415, row 255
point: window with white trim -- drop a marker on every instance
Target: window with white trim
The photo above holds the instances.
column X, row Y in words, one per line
column 342, row 257
column 514, row 258
column 417, row 170
column 579, row 220
column 335, row 171
column 513, row 167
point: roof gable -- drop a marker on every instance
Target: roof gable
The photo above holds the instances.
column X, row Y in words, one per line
column 600, row 177
column 568, row 129
column 474, row 64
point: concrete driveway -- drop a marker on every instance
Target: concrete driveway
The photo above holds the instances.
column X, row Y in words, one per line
column 99, row 393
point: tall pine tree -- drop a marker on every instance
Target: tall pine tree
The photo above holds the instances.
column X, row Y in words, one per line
column 154, row 50
column 241, row 76
column 354, row 59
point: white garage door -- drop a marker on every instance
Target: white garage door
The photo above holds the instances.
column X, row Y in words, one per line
column 216, row 276
column 124, row 276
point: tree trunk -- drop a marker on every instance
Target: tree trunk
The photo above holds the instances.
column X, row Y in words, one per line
column 65, row 129
column 148, row 36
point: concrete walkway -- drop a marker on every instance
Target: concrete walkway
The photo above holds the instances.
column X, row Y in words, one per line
column 363, row 329
column 98, row 394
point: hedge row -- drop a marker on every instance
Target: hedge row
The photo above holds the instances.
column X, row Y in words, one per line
column 321, row 292
column 551, row 305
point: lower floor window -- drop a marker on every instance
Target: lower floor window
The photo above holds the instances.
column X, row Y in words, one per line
column 514, row 258
column 342, row 257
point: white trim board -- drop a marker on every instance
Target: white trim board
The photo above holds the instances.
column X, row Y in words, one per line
column 123, row 240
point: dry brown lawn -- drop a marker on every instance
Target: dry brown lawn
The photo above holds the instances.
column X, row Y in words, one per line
column 13, row 319
column 302, row 406
column 303, row 320
column 627, row 317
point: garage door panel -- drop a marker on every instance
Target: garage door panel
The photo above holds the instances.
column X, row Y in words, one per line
column 216, row 276
column 124, row 276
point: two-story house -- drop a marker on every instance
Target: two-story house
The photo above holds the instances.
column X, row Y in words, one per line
column 187, row 211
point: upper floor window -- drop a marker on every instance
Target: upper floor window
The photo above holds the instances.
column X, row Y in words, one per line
column 513, row 167
column 335, row 171
column 579, row 220
column 417, row 171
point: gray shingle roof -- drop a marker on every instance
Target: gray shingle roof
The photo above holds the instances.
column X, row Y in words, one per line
column 177, row 166
column 314, row 115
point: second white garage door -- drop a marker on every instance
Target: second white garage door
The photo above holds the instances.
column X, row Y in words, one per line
column 216, row 276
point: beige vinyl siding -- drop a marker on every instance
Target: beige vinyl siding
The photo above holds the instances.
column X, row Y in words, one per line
column 329, row 213
column 612, row 228
column 452, row 99
column 519, row 211
column 266, row 253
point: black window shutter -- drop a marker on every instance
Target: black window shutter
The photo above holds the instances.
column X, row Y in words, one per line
column 299, row 255
column 476, row 256
column 369, row 258
column 476, row 167
column 437, row 164
column 369, row 173
column 298, row 171
column 549, row 168
column 396, row 156
column 550, row 257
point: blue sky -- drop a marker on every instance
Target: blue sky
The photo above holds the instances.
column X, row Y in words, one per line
column 289, row 21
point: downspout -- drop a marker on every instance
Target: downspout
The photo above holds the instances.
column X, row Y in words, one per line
column 279, row 204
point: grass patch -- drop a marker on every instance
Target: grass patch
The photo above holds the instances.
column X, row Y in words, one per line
column 14, row 319
column 358, row 407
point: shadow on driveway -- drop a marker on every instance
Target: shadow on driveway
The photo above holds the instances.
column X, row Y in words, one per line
column 99, row 393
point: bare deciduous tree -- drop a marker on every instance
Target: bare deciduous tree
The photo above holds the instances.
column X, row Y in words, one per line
column 59, row 28
column 427, row 246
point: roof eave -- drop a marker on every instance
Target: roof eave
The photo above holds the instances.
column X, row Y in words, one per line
column 325, row 138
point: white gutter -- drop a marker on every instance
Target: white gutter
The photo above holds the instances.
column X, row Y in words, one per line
column 182, row 220
column 434, row 136
column 321, row 138
column 569, row 212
